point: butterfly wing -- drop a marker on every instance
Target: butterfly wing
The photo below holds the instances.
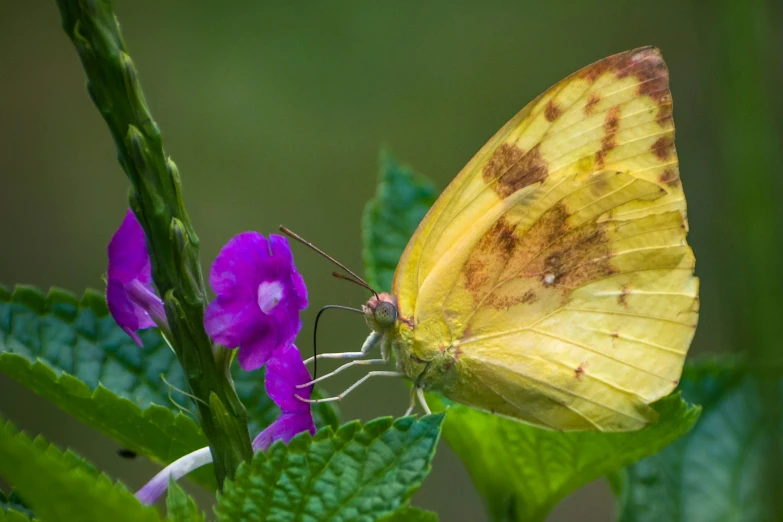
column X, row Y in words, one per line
column 553, row 273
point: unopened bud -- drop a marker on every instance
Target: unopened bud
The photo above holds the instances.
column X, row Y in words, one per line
column 173, row 170
column 179, row 236
column 136, row 147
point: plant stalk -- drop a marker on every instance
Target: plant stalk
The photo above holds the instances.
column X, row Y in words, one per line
column 156, row 200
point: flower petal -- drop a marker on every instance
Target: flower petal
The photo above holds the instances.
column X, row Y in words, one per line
column 235, row 270
column 281, row 250
column 153, row 489
column 128, row 256
column 284, row 428
column 259, row 296
column 230, row 320
column 128, row 315
column 256, row 351
column 284, row 372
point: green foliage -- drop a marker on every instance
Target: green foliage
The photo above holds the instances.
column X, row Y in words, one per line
column 391, row 217
column 357, row 473
column 411, row 514
column 72, row 353
column 522, row 471
column 12, row 515
column 181, row 507
column 78, row 337
column 61, row 487
column 11, row 503
column 724, row 469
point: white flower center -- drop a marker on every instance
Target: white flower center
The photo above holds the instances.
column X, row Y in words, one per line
column 269, row 294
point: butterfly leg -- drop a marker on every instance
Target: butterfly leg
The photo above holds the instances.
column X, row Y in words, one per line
column 341, row 368
column 423, row 401
column 412, row 403
column 352, row 387
column 372, row 341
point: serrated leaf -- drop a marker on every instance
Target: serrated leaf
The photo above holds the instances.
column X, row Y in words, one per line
column 728, row 467
column 522, row 471
column 411, row 514
column 71, row 352
column 61, row 488
column 12, row 503
column 390, row 218
column 357, row 473
column 180, row 506
column 12, row 515
column 78, row 337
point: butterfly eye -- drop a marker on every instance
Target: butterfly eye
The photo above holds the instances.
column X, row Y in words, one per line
column 385, row 313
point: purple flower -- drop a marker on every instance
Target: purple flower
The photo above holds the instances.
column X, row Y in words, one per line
column 129, row 294
column 259, row 296
column 153, row 489
column 283, row 373
column 285, row 370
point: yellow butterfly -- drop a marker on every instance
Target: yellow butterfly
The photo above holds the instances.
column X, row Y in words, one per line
column 551, row 282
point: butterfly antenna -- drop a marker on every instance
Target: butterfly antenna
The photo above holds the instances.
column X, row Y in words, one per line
column 315, row 330
column 356, row 279
column 344, row 277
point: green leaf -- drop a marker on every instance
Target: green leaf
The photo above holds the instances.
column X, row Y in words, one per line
column 12, row 515
column 72, row 353
column 60, row 487
column 726, row 468
column 79, row 337
column 411, row 514
column 357, row 473
column 180, row 506
column 12, row 503
column 391, row 217
column 522, row 471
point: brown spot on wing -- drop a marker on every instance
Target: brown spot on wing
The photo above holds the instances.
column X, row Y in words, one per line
column 609, row 142
column 670, row 176
column 574, row 256
column 591, row 103
column 551, row 111
column 622, row 297
column 507, row 301
column 490, row 253
column 653, row 76
column 663, row 147
column 511, row 169
column 645, row 64
column 664, row 117
column 580, row 371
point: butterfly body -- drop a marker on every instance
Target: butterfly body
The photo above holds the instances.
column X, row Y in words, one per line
column 552, row 282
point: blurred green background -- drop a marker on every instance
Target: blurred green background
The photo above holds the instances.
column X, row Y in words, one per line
column 275, row 114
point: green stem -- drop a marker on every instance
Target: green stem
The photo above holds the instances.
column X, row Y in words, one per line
column 156, row 199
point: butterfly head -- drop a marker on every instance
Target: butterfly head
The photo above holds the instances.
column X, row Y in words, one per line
column 380, row 312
